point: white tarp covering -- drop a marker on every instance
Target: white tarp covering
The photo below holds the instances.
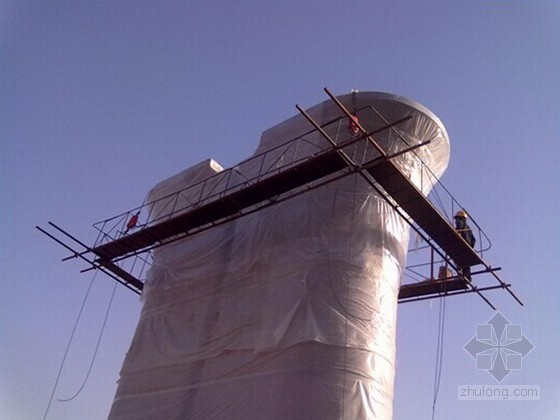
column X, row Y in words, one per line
column 289, row 312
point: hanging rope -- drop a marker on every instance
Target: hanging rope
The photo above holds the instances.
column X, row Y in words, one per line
column 96, row 348
column 69, row 343
column 439, row 353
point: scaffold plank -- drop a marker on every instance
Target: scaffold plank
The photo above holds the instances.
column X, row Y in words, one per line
column 431, row 287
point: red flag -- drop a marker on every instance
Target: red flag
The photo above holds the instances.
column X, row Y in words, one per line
column 132, row 222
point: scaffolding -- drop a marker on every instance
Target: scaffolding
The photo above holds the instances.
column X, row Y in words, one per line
column 125, row 242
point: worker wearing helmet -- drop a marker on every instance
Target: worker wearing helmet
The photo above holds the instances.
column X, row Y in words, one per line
column 466, row 233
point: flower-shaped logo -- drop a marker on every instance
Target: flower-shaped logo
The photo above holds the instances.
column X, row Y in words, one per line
column 498, row 347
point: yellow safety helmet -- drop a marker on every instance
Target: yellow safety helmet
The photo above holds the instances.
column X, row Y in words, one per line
column 461, row 213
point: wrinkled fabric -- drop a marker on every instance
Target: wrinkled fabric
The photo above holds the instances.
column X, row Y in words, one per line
column 289, row 312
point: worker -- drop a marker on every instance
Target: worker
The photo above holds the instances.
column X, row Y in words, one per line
column 466, row 233
column 353, row 125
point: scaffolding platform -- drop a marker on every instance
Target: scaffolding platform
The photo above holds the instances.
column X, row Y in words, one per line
column 276, row 182
column 380, row 172
column 226, row 207
column 431, row 287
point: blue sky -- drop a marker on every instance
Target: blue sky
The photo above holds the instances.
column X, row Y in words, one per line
column 100, row 100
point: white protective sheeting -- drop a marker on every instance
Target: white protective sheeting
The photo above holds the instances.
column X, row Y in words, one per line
column 289, row 312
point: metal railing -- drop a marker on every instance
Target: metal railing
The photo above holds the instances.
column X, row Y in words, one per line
column 281, row 158
column 253, row 170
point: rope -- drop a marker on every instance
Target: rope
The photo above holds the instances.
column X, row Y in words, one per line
column 439, row 353
column 96, row 348
column 69, row 343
